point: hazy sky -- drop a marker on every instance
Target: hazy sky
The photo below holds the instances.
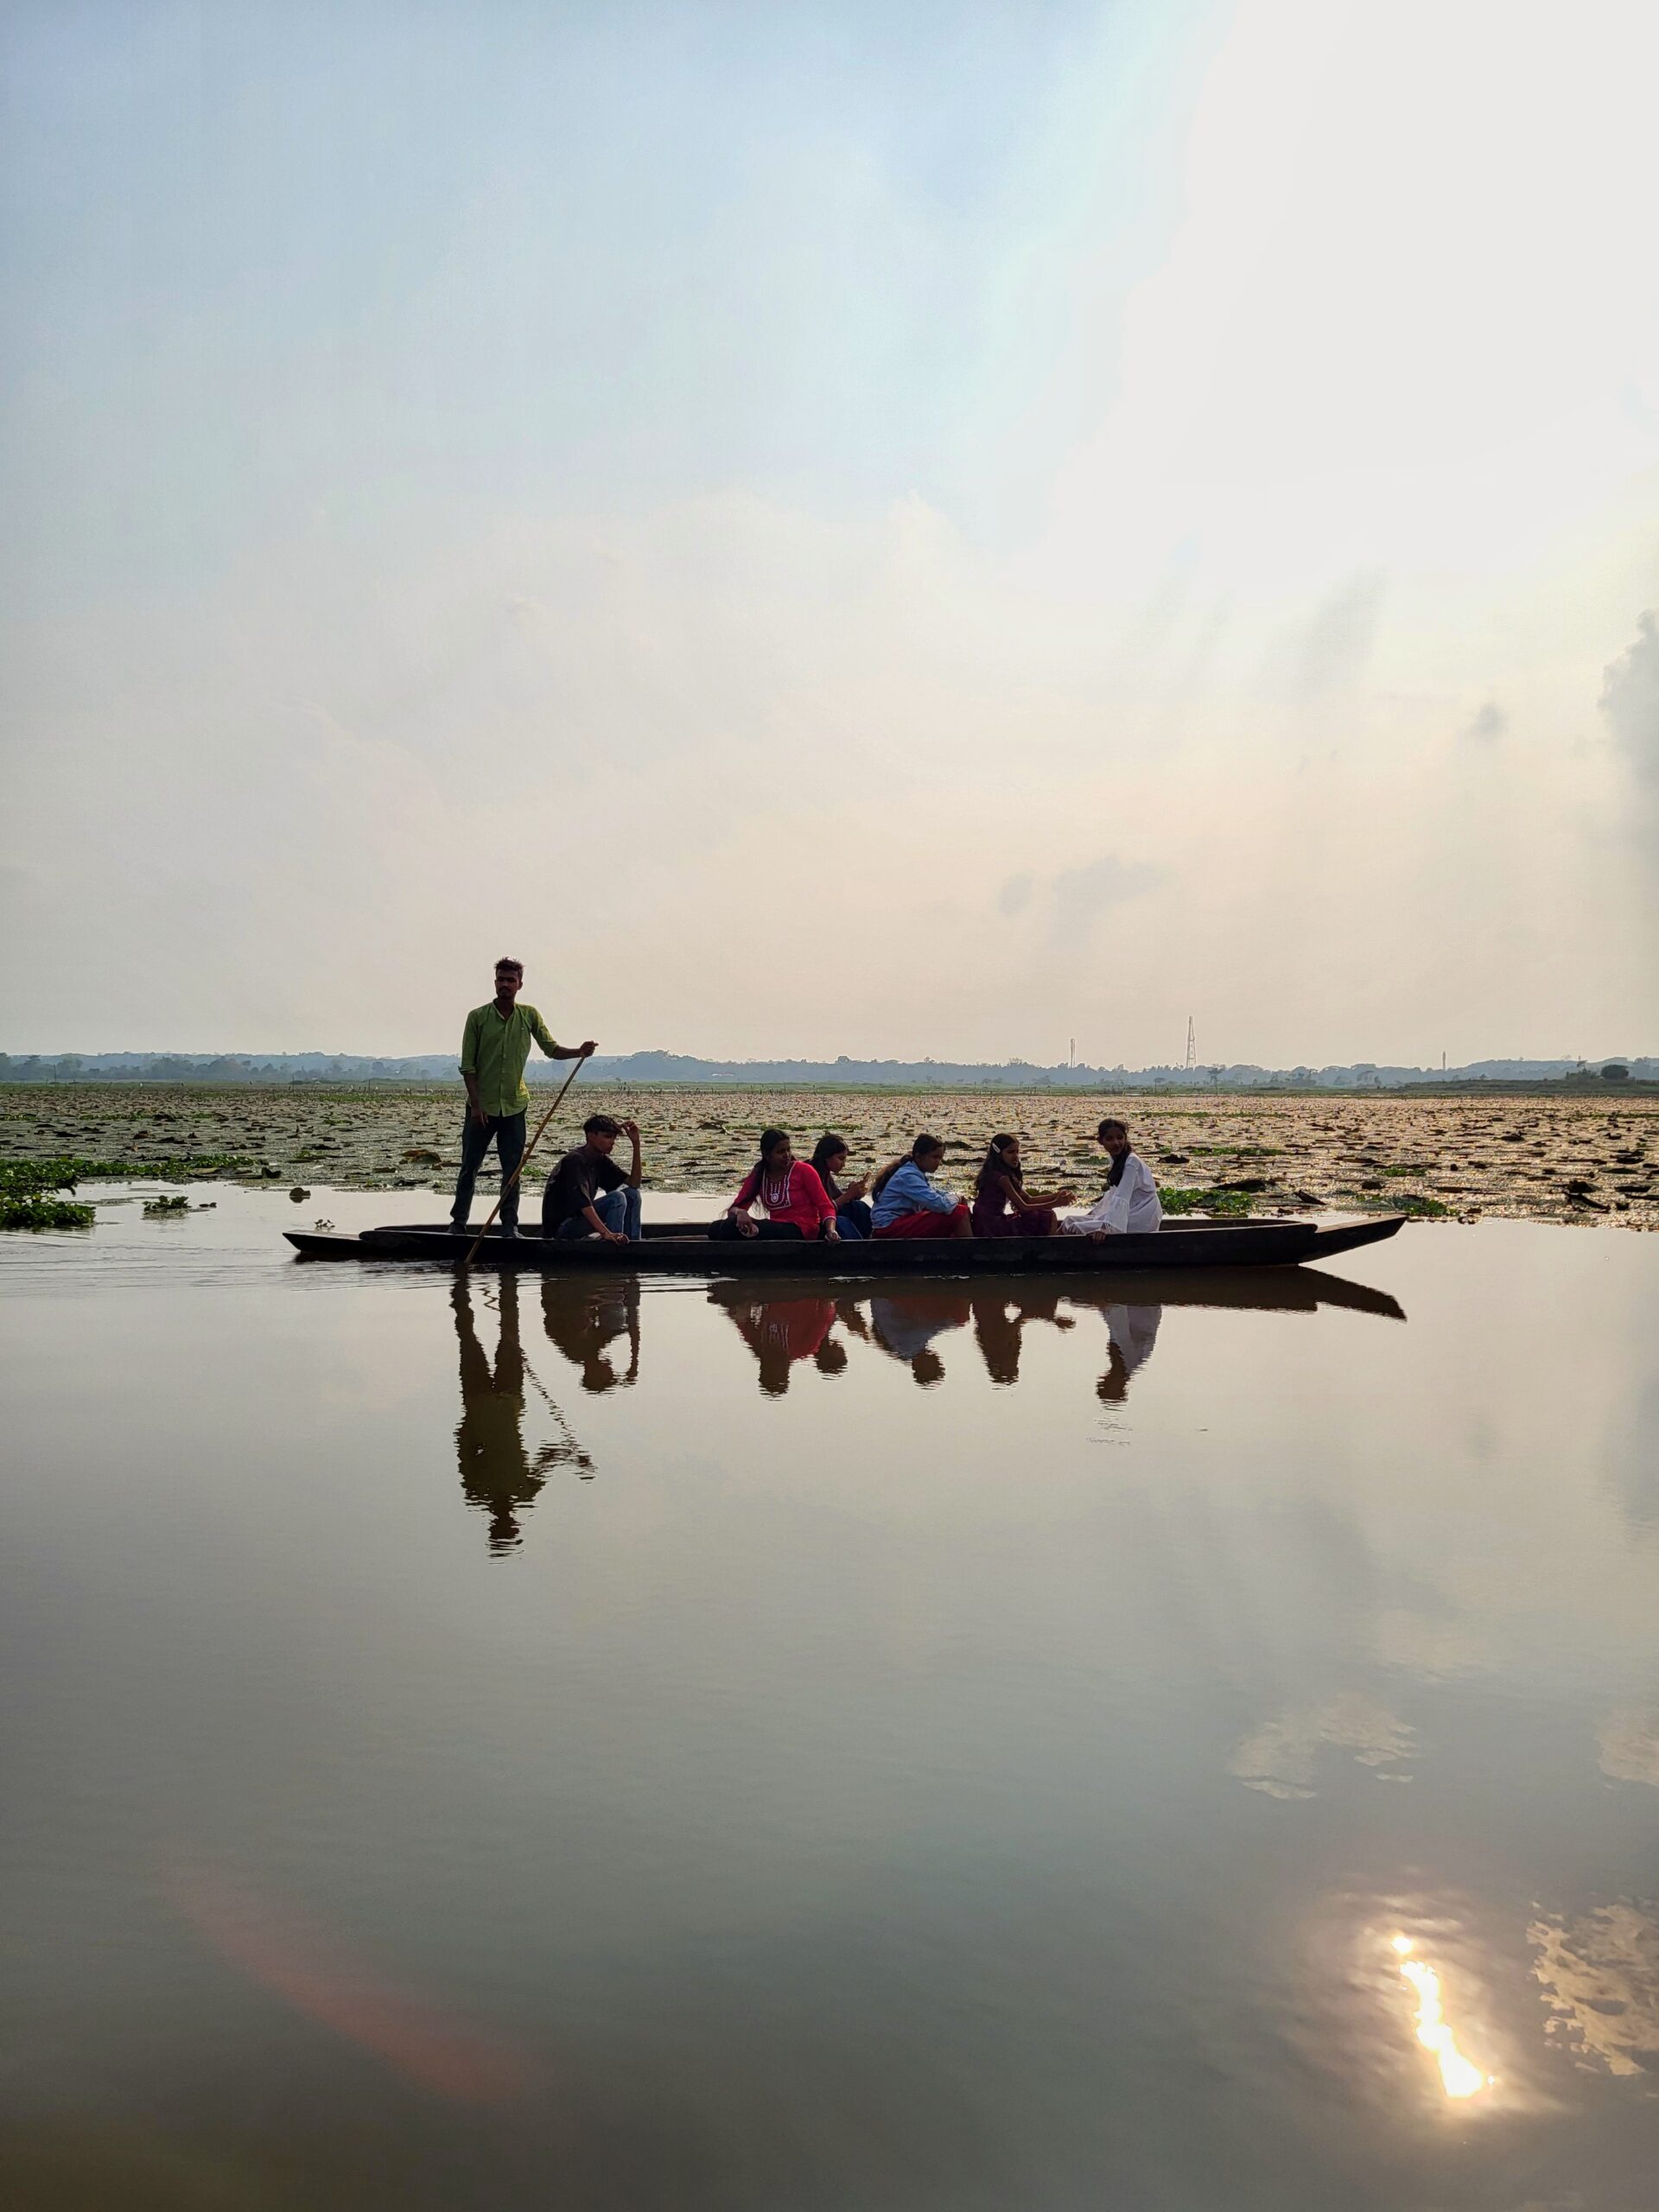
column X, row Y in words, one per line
column 892, row 528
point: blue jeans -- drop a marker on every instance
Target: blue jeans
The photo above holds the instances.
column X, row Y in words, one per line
column 506, row 1133
column 853, row 1220
column 618, row 1210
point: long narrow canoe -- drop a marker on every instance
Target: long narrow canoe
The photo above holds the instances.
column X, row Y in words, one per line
column 684, row 1248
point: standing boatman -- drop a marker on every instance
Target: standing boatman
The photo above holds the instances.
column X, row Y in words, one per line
column 494, row 1045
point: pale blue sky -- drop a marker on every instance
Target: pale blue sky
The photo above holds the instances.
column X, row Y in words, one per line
column 265, row 261
column 703, row 493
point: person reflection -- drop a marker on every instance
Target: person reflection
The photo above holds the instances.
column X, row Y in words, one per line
column 496, row 1474
column 904, row 1323
column 584, row 1319
column 999, row 1322
column 779, row 1331
column 1131, row 1331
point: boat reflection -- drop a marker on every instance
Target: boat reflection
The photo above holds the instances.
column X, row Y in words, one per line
column 595, row 1327
column 797, row 1321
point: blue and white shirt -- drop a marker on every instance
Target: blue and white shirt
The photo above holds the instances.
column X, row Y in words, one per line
column 908, row 1191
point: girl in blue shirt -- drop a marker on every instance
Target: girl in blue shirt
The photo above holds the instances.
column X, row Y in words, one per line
column 908, row 1203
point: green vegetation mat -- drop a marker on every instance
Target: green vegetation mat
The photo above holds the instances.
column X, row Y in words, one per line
column 1231, row 1205
column 26, row 1199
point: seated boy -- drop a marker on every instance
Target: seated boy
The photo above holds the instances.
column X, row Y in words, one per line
column 587, row 1194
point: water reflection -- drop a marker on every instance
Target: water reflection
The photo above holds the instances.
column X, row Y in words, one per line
column 1131, row 1332
column 1000, row 1322
column 584, row 1320
column 905, row 1321
column 1280, row 1757
column 1045, row 1816
column 793, row 1322
column 497, row 1473
column 596, row 1326
column 782, row 1331
column 1600, row 1977
column 1627, row 1744
column 1460, row 2076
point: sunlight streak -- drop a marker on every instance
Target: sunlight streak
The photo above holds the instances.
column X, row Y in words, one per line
column 1458, row 2075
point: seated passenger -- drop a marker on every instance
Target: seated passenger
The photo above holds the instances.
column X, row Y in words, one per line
column 1129, row 1206
column 908, row 1204
column 587, row 1194
column 1003, row 1206
column 852, row 1215
column 796, row 1203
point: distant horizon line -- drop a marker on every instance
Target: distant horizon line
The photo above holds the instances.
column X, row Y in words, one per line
column 647, row 1062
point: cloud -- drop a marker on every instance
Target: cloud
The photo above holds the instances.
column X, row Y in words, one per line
column 1630, row 699
column 1015, row 895
column 1083, row 894
column 1490, row 723
column 1336, row 642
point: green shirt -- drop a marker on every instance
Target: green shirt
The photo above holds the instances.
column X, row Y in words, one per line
column 494, row 1048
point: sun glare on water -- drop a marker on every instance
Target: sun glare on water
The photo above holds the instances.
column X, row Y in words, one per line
column 1459, row 2077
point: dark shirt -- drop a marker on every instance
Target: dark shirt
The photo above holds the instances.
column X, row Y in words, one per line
column 576, row 1182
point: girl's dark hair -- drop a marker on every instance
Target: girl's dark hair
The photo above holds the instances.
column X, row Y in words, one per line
column 770, row 1141
column 924, row 1143
column 996, row 1165
column 826, row 1148
column 1112, row 1122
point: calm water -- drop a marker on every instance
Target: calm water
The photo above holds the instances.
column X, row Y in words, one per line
column 526, row 1745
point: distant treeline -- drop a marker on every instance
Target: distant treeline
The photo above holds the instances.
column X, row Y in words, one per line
column 882, row 1075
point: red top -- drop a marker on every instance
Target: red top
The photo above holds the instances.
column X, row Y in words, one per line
column 798, row 1195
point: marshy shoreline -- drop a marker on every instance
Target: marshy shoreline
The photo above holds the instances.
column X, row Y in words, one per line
column 1520, row 1155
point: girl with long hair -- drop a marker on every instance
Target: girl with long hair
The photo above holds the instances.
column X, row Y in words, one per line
column 908, row 1203
column 1130, row 1205
column 797, row 1204
column 1003, row 1206
column 852, row 1214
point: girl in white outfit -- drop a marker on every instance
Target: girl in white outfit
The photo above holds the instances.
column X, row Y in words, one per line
column 1129, row 1206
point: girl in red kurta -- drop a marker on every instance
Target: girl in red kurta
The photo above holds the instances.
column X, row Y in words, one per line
column 795, row 1201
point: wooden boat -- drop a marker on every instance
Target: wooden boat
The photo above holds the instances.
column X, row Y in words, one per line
column 686, row 1248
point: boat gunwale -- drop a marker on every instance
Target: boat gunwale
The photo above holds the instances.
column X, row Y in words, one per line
column 1277, row 1243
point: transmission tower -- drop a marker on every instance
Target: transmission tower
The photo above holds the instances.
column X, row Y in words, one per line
column 1192, row 1045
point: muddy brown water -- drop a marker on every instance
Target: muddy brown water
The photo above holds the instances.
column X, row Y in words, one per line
column 1190, row 1748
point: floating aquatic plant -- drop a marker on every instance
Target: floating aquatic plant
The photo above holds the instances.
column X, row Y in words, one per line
column 26, row 1199
column 1232, row 1205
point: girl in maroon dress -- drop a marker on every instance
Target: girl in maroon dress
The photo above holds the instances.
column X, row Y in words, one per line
column 1003, row 1206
